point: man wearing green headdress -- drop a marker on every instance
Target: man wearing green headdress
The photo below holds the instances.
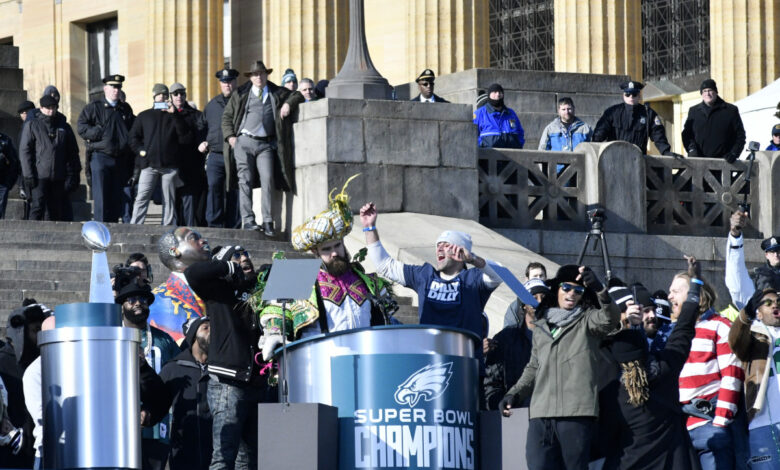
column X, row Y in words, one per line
column 344, row 297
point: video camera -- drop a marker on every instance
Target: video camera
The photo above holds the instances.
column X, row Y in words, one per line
column 124, row 275
column 597, row 217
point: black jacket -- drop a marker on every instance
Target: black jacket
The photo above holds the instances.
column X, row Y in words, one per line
column 192, row 170
column 714, row 131
column 651, row 436
column 155, row 399
column 632, row 124
column 159, row 134
column 436, row 99
column 190, row 433
column 48, row 148
column 213, row 114
column 234, row 333
column 766, row 276
column 12, row 375
column 506, row 362
column 9, row 162
column 104, row 128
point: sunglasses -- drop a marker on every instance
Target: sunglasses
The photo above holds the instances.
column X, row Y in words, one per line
column 134, row 299
column 579, row 290
column 179, row 93
column 425, row 84
column 238, row 254
column 633, row 93
column 770, row 302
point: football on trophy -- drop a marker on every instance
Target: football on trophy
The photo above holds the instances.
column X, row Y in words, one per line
column 96, row 236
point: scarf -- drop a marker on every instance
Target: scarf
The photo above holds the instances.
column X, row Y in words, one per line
column 562, row 317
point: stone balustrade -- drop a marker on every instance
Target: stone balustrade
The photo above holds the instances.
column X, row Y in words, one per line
column 653, row 194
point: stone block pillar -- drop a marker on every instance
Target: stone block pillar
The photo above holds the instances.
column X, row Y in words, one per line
column 599, row 36
column 309, row 36
column 187, row 46
column 744, row 52
column 413, row 157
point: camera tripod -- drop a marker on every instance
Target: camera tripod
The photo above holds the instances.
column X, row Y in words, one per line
column 596, row 232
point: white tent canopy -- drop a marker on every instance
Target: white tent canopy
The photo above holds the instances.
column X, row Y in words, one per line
column 758, row 113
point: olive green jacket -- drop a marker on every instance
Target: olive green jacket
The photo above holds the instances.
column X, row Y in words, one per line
column 562, row 374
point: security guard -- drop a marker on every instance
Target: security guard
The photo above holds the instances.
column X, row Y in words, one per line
column 104, row 126
column 633, row 122
column 498, row 125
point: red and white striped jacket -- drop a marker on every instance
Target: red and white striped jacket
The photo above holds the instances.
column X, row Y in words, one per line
column 712, row 370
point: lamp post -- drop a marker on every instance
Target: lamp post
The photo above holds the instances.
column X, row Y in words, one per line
column 358, row 78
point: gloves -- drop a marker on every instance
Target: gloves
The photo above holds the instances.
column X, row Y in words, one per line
column 591, row 281
column 731, row 157
column 134, row 179
column 673, row 154
column 14, row 439
column 31, row 183
column 506, row 402
column 692, row 152
column 268, row 343
column 226, row 253
column 72, row 182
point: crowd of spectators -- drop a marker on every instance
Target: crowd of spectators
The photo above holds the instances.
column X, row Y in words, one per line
column 608, row 372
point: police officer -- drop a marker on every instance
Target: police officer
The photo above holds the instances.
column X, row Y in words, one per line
column 104, row 126
column 498, row 125
column 221, row 206
column 774, row 145
column 632, row 122
column 425, row 84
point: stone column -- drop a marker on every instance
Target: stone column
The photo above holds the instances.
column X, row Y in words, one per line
column 744, row 52
column 599, row 36
column 445, row 35
column 358, row 78
column 185, row 45
column 309, row 36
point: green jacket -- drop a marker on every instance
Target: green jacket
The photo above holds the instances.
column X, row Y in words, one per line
column 563, row 372
column 231, row 119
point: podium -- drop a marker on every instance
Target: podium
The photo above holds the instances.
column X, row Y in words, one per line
column 407, row 395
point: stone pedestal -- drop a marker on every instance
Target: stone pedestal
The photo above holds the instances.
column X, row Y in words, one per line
column 502, row 440
column 413, row 157
column 297, row 436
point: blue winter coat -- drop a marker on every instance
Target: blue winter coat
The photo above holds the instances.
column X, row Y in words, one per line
column 499, row 128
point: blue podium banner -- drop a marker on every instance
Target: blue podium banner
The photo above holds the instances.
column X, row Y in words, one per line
column 416, row 411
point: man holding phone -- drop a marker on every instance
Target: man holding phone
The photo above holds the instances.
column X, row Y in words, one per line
column 155, row 139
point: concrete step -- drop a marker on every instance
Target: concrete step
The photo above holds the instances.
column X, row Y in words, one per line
column 45, row 285
column 48, row 297
column 11, row 78
column 82, row 211
column 9, row 57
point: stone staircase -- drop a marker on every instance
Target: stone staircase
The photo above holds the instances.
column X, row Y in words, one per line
column 47, row 260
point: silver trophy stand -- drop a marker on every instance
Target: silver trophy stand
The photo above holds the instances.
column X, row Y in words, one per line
column 90, row 392
column 313, row 425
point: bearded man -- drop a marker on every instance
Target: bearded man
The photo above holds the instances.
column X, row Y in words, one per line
column 344, row 297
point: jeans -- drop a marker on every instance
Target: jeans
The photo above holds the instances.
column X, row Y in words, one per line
column 146, row 183
column 715, row 447
column 254, row 157
column 557, row 443
column 765, row 447
column 234, row 412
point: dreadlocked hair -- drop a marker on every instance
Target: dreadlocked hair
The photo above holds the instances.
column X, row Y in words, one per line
column 634, row 379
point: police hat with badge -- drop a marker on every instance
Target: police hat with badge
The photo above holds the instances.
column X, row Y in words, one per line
column 632, row 88
column 426, row 75
column 771, row 244
column 227, row 75
column 114, row 80
column 776, row 129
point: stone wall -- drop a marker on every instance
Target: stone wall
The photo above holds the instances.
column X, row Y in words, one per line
column 11, row 92
column 412, row 157
column 532, row 95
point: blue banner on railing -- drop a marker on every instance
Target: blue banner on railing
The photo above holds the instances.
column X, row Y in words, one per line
column 406, row 411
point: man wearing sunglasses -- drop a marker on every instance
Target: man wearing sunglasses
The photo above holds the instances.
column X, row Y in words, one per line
column 633, row 122
column 104, row 125
column 755, row 339
column 425, row 84
column 562, row 376
column 158, row 348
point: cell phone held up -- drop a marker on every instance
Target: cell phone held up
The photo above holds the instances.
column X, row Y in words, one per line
column 161, row 105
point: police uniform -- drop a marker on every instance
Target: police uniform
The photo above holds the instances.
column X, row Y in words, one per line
column 632, row 124
column 104, row 128
column 221, row 206
column 428, row 75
